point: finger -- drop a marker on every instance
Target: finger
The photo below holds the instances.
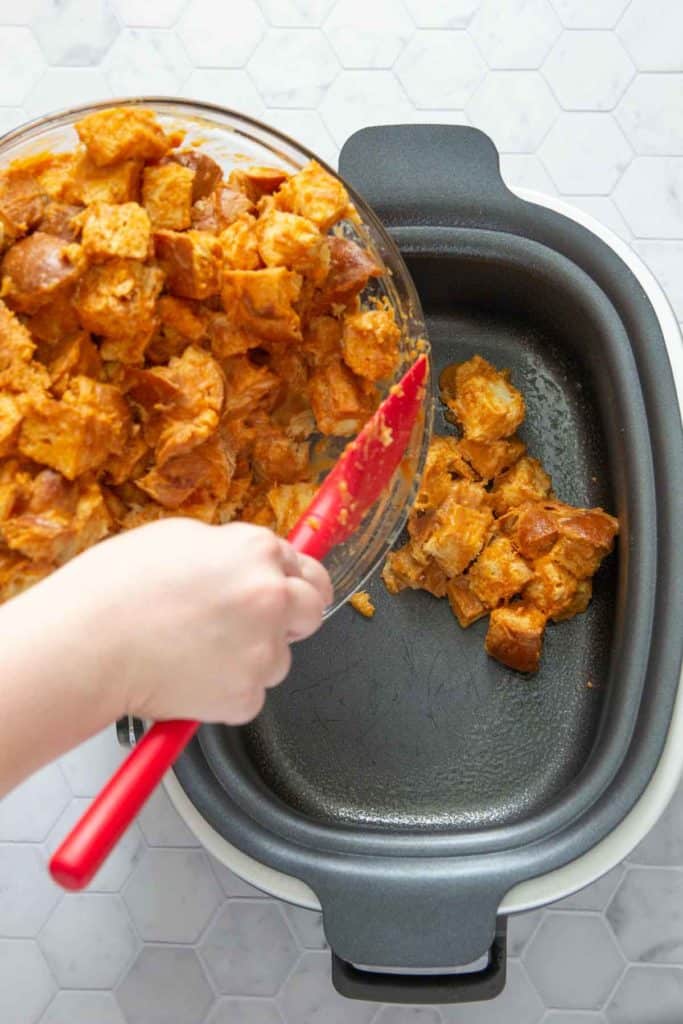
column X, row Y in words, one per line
column 290, row 559
column 317, row 575
column 239, row 713
column 305, row 609
column 280, row 667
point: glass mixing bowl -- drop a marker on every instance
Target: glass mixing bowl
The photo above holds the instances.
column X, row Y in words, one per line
column 236, row 140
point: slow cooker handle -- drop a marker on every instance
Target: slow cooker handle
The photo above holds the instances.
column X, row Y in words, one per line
column 414, row 174
column 426, row 989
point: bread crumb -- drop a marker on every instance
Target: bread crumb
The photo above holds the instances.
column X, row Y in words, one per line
column 362, row 602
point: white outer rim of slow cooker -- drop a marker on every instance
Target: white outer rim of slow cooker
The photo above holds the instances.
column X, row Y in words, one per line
column 564, row 881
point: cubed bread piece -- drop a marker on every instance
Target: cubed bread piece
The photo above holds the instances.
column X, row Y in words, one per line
column 322, row 340
column 261, row 302
column 73, row 356
column 256, row 508
column 118, row 299
column 499, row 572
column 552, row 589
column 128, row 464
column 490, row 458
column 61, row 219
column 525, row 481
column 22, row 203
column 207, row 172
column 121, row 229
column 167, row 195
column 515, row 636
column 340, row 403
column 351, row 267
column 17, row 573
column 55, row 320
column 191, row 261
column 239, row 245
column 16, row 344
column 586, row 536
column 443, row 465
column 207, row 466
column 457, row 535
column 403, row 571
column 10, row 424
column 257, row 181
column 362, row 603
column 464, row 603
column 288, row 240
column 370, row 343
column 579, row 603
column 122, row 133
column 86, row 183
column 289, row 502
column 531, row 528
column 229, row 509
column 182, row 317
column 220, row 209
column 35, row 269
column 314, row 193
column 77, row 433
column 486, row 404
column 279, row 459
column 248, row 386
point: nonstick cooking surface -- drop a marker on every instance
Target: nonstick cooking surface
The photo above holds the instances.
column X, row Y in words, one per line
column 402, row 720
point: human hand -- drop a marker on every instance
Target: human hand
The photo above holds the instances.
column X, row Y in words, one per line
column 189, row 620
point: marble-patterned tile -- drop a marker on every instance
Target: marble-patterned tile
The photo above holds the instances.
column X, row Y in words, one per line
column 207, row 28
column 59, row 88
column 29, row 811
column 646, row 915
column 230, row 88
column 165, row 985
column 244, row 1011
column 520, row 929
column 516, row 34
column 647, row 995
column 651, row 114
column 21, row 64
column 26, row 983
column 161, row 825
column 651, row 30
column 307, row 926
column 525, row 170
column 83, row 1008
column 296, row 13
column 440, row 69
column 11, row 118
column 650, row 197
column 249, row 950
column 232, row 885
column 438, row 14
column 150, row 14
column 308, row 128
column 585, row 153
column 595, row 896
column 605, row 210
column 611, row 70
column 171, row 895
column 516, row 108
column 408, row 1015
column 518, row 1002
column 361, row 98
column 64, row 38
column 88, row 941
column 27, row 894
column 368, row 35
column 590, row 13
column 149, row 61
column 309, row 998
column 293, row 67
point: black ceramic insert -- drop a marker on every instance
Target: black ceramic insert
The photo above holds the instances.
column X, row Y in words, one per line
column 406, row 777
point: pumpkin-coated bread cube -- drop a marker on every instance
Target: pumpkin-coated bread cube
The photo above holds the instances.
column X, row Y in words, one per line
column 370, row 343
column 485, row 403
column 515, row 636
column 339, row 401
column 73, row 356
column 62, row 219
column 128, row 464
column 22, row 204
column 351, row 267
column 321, row 340
column 182, row 317
column 77, row 433
column 122, row 133
column 498, row 573
column 586, row 536
column 443, row 465
column 86, row 183
column 552, row 589
column 118, row 298
column 464, row 603
column 167, row 195
column 314, row 193
column 402, row 570
column 208, row 466
column 278, row 458
column 10, row 424
column 289, row 502
column 121, row 229
column 261, row 303
column 531, row 527
column 35, row 269
column 525, row 481
column 287, row 240
column 16, row 344
column 248, row 386
column 207, row 173
column 191, row 261
column 239, row 244
column 456, row 536
column 55, row 320
column 490, row 458
column 17, row 573
column 257, row 181
column 219, row 209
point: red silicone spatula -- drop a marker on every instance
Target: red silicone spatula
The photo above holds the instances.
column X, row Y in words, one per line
column 349, row 490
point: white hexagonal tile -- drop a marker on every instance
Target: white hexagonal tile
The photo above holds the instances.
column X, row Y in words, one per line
column 663, row 845
column 165, row 985
column 651, row 114
column 211, row 37
column 588, row 70
column 83, row 1008
column 573, row 961
column 440, row 69
column 66, row 87
column 438, row 14
column 520, row 929
column 307, row 926
column 293, row 68
column 30, row 810
column 11, row 118
column 12, row 13
column 516, row 108
column 88, row 941
column 26, row 984
column 650, row 196
column 590, row 13
column 27, row 894
column 516, row 34
column 665, row 260
column 408, row 1015
column 585, row 154
column 120, row 862
column 309, row 998
column 643, row 990
column 146, row 61
column 233, row 886
column 296, row 13
column 245, row 1011
column 524, row 170
column 308, row 128
column 368, row 35
column 571, row 1017
column 171, row 895
column 150, row 14
column 651, row 30
column 595, row 896
column 249, row 950
column 646, row 915
column 88, row 767
column 63, row 36
column 232, row 89
column 162, row 825
column 21, row 64
column 361, row 98
column 605, row 211
column 517, row 1002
